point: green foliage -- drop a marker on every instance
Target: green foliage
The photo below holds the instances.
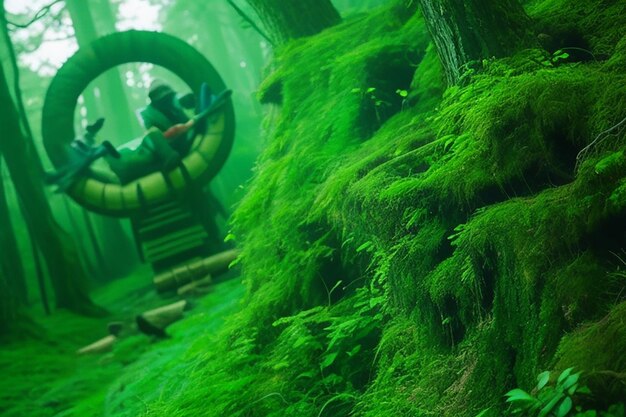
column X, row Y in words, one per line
column 551, row 400
column 406, row 263
column 556, row 399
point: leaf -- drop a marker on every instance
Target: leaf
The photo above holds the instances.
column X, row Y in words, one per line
column 572, row 389
column 402, row 93
column 483, row 413
column 542, row 379
column 370, row 90
column 583, row 390
column 337, row 284
column 300, row 341
column 234, row 262
column 281, row 365
column 229, row 237
column 519, row 395
column 571, row 380
column 355, row 90
column 564, row 375
column 328, row 360
column 364, row 246
column 308, row 374
column 550, row 406
column 354, row 350
column 564, row 408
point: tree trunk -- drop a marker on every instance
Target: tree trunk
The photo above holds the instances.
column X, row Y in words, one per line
column 10, row 260
column 115, row 107
column 66, row 273
column 12, row 277
column 290, row 19
column 472, row 30
column 121, row 124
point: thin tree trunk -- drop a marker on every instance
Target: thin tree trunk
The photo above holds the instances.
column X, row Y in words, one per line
column 119, row 117
column 115, row 107
column 472, row 30
column 68, row 278
column 12, row 277
column 290, row 19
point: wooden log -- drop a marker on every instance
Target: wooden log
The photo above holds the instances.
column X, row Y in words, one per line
column 154, row 322
column 195, row 287
column 184, row 274
column 103, row 345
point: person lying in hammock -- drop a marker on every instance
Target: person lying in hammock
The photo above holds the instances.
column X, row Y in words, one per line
column 169, row 138
column 170, row 131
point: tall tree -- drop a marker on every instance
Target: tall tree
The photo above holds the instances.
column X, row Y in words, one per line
column 120, row 118
column 472, row 30
column 290, row 19
column 10, row 260
column 68, row 278
column 12, row 277
column 114, row 105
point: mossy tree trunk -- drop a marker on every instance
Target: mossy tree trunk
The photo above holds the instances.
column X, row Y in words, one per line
column 12, row 276
column 290, row 19
column 66, row 272
column 472, row 30
column 114, row 100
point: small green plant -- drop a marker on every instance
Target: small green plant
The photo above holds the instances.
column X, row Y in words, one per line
column 550, row 60
column 371, row 93
column 550, row 401
column 402, row 93
column 556, row 399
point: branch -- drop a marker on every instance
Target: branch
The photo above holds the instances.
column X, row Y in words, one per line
column 247, row 18
column 39, row 15
column 16, row 82
column 600, row 138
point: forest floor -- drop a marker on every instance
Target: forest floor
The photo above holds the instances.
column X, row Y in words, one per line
column 43, row 376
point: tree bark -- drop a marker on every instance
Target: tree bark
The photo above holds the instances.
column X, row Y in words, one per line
column 472, row 30
column 115, row 244
column 121, row 125
column 10, row 260
column 290, row 19
column 68, row 278
column 12, row 277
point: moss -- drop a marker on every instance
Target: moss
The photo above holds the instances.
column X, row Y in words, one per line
column 580, row 23
column 421, row 255
column 597, row 349
column 466, row 207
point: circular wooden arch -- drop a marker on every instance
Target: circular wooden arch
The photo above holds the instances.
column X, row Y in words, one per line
column 207, row 155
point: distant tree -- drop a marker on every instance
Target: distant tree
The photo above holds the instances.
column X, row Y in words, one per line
column 117, row 110
column 68, row 278
column 290, row 19
column 472, row 30
column 12, row 277
column 112, row 247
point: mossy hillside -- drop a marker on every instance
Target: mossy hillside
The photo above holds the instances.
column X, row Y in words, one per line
column 321, row 107
column 423, row 256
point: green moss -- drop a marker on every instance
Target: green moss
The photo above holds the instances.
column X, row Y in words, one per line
column 597, row 349
column 418, row 255
column 43, row 376
column 465, row 207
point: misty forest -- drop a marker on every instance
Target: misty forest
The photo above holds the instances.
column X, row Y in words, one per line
column 313, row 208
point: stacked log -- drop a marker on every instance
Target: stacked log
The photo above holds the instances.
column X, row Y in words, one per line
column 195, row 270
